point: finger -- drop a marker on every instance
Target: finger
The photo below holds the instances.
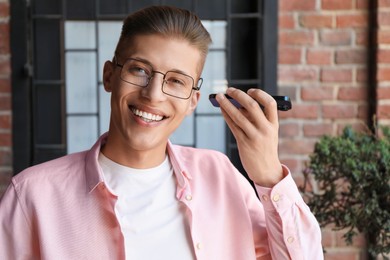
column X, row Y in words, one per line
column 250, row 107
column 235, row 118
column 268, row 103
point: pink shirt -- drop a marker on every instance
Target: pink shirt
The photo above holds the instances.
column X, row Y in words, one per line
column 62, row 210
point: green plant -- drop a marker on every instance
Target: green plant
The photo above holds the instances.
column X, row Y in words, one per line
column 352, row 174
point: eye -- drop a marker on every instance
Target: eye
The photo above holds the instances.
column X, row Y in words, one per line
column 137, row 71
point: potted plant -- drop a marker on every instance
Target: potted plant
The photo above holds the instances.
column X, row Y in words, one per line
column 347, row 184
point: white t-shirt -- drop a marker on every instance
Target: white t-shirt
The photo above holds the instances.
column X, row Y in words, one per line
column 152, row 220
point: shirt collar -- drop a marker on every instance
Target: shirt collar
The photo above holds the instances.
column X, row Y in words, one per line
column 94, row 174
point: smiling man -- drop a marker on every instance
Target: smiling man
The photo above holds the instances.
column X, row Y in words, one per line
column 134, row 195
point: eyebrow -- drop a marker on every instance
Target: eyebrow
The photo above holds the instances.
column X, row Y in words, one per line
column 151, row 65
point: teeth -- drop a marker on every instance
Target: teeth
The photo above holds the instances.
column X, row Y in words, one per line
column 146, row 116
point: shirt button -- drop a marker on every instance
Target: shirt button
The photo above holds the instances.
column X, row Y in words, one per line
column 276, row 197
column 290, row 240
column 189, row 197
column 199, row 246
column 264, row 197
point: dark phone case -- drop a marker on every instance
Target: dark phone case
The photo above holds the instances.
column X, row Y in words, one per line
column 283, row 102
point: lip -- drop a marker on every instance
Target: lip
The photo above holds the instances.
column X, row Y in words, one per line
column 154, row 112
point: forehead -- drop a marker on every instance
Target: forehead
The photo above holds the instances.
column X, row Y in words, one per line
column 164, row 53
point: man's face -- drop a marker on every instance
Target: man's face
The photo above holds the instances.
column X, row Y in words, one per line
column 144, row 117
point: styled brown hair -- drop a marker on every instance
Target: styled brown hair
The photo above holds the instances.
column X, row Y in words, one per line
column 166, row 21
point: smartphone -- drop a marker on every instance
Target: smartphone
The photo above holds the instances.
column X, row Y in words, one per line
column 283, row 102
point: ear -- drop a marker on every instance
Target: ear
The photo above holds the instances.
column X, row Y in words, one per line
column 108, row 72
column 194, row 99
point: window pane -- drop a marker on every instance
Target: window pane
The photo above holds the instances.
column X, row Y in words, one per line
column 109, row 33
column 80, row 35
column 217, row 30
column 210, row 133
column 104, row 109
column 214, row 80
column 184, row 135
column 81, row 132
column 244, row 49
column 81, row 82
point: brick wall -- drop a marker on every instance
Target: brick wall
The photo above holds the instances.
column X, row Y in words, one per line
column 323, row 54
column 383, row 57
column 5, row 98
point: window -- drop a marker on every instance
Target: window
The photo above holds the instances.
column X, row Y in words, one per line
column 59, row 104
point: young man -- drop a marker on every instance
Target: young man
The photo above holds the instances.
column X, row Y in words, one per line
column 134, row 195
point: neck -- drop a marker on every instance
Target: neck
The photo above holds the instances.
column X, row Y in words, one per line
column 127, row 155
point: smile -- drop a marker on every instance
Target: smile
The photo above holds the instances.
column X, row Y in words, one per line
column 147, row 117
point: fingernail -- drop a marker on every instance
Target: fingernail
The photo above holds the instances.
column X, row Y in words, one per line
column 230, row 90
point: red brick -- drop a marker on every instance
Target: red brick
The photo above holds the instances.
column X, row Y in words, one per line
column 289, row 129
column 383, row 111
column 317, row 93
column 296, row 74
column 352, row 93
column 4, row 9
column 383, row 74
column 341, row 255
column 336, row 75
column 297, row 5
column 336, row 111
column 351, row 56
column 383, row 56
column 5, row 103
column 301, row 111
column 383, row 92
column 357, row 241
column 286, row 21
column 5, row 85
column 361, row 37
column 5, row 67
column 363, row 111
column 316, row 21
column 361, row 75
column 319, row 57
column 4, row 38
column 294, row 165
column 383, row 36
column 317, row 130
column 352, row 20
column 5, row 139
column 5, row 122
column 5, row 158
column 298, row 147
column 328, row 237
column 336, row 4
column 383, row 19
column 357, row 125
column 336, row 37
column 288, row 37
column 362, row 4
column 289, row 55
column 383, row 3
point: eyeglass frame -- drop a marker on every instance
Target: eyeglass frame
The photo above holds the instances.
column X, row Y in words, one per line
column 153, row 72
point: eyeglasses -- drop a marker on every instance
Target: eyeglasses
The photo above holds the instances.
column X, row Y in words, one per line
column 175, row 84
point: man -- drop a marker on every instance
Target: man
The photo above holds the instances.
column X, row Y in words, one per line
column 134, row 195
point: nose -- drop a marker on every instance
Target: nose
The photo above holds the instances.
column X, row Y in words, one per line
column 153, row 91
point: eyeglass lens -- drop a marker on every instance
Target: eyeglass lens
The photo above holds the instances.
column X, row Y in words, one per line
column 175, row 83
